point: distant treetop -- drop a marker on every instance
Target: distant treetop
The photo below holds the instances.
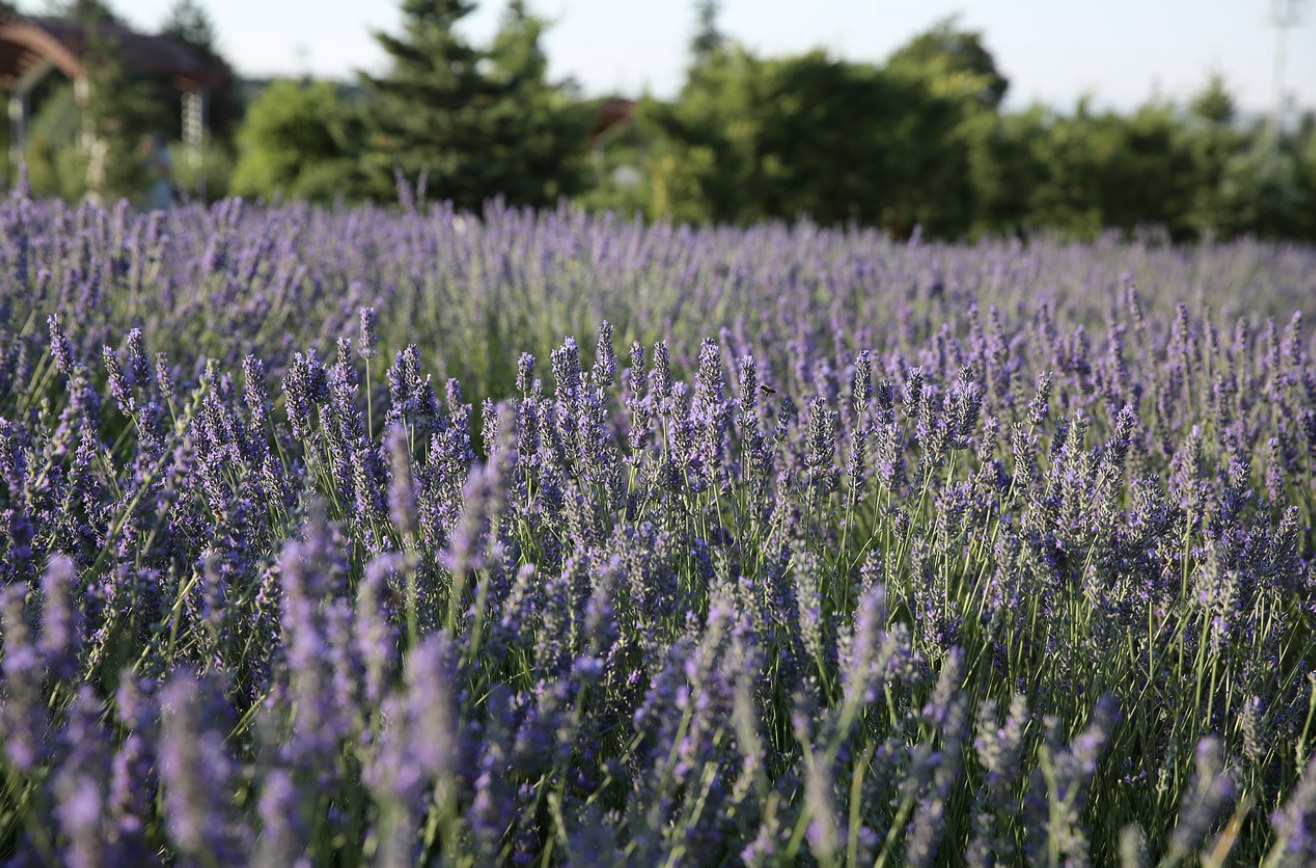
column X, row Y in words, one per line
column 84, row 10
column 953, row 55
column 189, row 23
column 1214, row 102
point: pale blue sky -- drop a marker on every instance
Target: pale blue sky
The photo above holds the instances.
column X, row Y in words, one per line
column 1120, row 51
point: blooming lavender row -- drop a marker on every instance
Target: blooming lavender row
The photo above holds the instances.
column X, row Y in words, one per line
column 238, row 280
column 944, row 587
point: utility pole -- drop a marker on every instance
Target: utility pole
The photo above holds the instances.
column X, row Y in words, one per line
column 1283, row 14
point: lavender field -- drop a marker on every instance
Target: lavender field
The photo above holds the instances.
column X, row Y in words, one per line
column 339, row 537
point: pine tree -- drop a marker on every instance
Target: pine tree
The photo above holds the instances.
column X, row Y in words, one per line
column 86, row 11
column 475, row 122
column 1214, row 103
column 120, row 112
column 708, row 38
column 189, row 23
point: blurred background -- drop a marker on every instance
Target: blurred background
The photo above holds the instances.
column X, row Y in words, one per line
column 1174, row 119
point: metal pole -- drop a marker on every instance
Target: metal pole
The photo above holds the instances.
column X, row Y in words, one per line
column 1283, row 14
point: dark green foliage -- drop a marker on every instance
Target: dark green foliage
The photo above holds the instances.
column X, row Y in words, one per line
column 299, row 140
column 121, row 112
column 84, row 10
column 189, row 23
column 954, row 60
column 754, row 139
column 475, row 122
column 708, row 38
column 98, row 145
column 922, row 141
column 1081, row 174
column 1260, row 190
column 1307, row 178
column 1213, row 103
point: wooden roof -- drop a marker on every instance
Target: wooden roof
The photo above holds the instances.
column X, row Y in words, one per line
column 614, row 112
column 28, row 42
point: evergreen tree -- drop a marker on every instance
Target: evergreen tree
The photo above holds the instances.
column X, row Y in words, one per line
column 708, row 38
column 120, row 112
column 86, row 11
column 1214, row 142
column 475, row 122
column 189, row 23
column 1214, row 103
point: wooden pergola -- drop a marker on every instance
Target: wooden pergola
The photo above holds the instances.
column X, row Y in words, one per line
column 32, row 48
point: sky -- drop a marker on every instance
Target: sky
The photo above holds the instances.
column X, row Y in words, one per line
column 1119, row 53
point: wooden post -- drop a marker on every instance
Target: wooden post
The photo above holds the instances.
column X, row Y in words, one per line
column 18, row 109
column 20, row 106
column 195, row 104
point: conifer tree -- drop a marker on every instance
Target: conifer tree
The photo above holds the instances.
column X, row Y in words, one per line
column 119, row 112
column 708, row 37
column 120, row 108
column 86, row 11
column 188, row 22
column 476, row 122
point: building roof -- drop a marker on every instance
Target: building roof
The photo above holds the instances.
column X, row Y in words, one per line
column 26, row 43
column 613, row 113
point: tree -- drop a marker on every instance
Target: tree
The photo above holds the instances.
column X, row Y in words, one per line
column 844, row 141
column 476, row 122
column 752, row 139
column 188, row 22
column 1214, row 143
column 1305, row 144
column 1213, row 103
column 1150, row 176
column 1005, row 169
column 86, row 11
column 1261, row 190
column 298, row 140
column 547, row 124
column 954, row 61
column 708, row 38
column 120, row 111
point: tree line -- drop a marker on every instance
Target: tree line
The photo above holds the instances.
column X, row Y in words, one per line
column 922, row 139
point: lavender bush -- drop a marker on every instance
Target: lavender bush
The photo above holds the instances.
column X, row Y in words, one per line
column 323, row 545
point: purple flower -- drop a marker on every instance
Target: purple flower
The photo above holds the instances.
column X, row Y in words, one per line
column 61, row 350
column 61, row 627
column 138, row 366
column 605, row 359
column 284, row 835
column 1295, row 822
column 368, row 343
column 1210, row 791
column 23, row 713
column 196, row 774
